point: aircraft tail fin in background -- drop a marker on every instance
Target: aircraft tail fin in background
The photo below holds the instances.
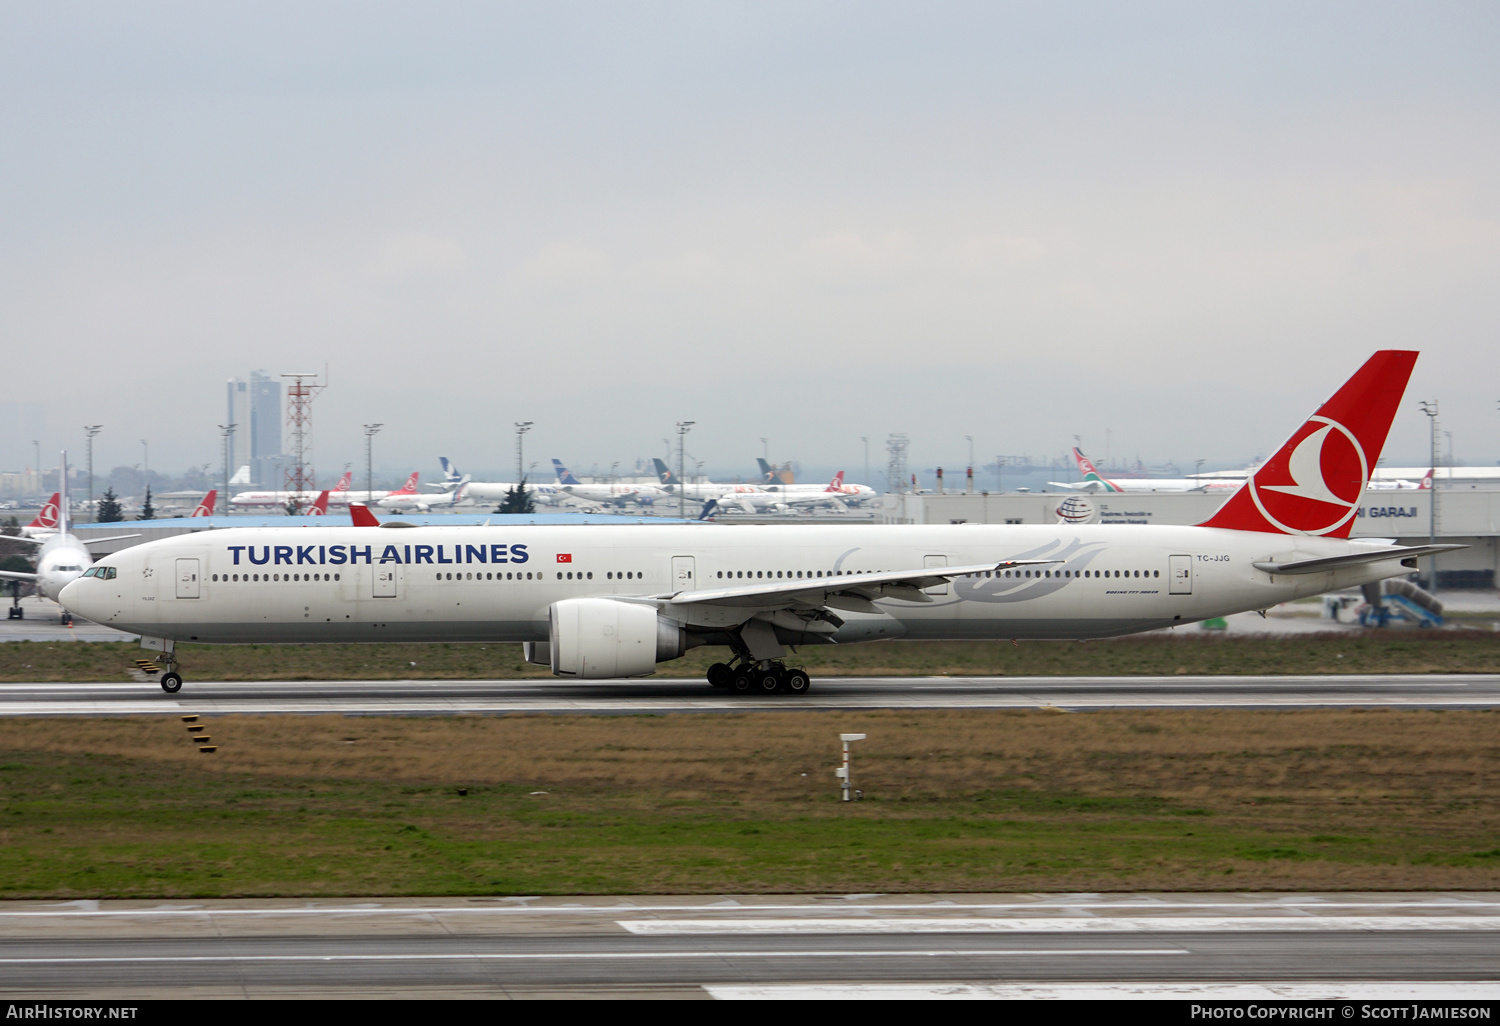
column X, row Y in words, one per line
column 1426, row 484
column 46, row 517
column 564, row 475
column 450, row 472
column 361, row 515
column 664, row 472
column 343, row 485
column 205, row 508
column 1313, row 485
column 241, row 476
column 319, row 507
column 410, row 488
column 767, row 475
column 837, row 484
column 1090, row 473
column 709, row 509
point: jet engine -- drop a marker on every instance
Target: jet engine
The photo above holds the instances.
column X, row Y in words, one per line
column 597, row 637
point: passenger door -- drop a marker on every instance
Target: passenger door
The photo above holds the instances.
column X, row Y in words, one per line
column 187, row 579
column 1181, row 571
column 682, row 573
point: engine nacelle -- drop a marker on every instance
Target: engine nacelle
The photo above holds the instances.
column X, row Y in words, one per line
column 595, row 638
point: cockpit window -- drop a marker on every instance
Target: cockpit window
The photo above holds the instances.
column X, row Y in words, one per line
column 90, row 571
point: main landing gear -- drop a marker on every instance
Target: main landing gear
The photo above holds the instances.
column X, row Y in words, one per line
column 766, row 677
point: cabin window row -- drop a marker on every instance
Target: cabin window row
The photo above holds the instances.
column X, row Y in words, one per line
column 1068, row 573
column 251, row 578
column 491, row 576
column 793, row 574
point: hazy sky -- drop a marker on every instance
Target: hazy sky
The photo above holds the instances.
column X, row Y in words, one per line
column 1183, row 223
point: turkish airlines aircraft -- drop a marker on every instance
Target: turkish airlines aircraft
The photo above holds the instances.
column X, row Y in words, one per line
column 607, row 494
column 339, row 493
column 206, row 507
column 848, row 493
column 422, row 502
column 62, row 557
column 44, row 524
column 597, row 601
column 1093, row 481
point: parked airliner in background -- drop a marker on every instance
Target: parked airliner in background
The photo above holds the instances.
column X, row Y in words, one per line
column 852, row 494
column 493, row 491
column 339, row 493
column 606, row 494
column 61, row 557
column 44, row 524
column 1093, row 481
column 424, row 501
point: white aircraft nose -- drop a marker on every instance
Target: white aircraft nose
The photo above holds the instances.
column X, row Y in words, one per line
column 71, row 594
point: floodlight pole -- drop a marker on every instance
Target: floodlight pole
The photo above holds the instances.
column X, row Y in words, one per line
column 89, row 431
column 683, row 427
column 1430, row 408
column 370, row 431
column 522, row 426
column 226, row 432
column 842, row 772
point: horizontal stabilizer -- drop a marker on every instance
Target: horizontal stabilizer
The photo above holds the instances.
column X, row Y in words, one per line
column 1407, row 555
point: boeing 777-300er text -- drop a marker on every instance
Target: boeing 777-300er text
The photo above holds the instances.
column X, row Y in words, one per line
column 61, row 557
column 597, row 601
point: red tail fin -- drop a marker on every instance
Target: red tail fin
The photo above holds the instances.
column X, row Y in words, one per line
column 206, row 507
column 837, row 484
column 361, row 515
column 320, row 505
column 47, row 515
column 410, row 488
column 343, row 485
column 1314, row 482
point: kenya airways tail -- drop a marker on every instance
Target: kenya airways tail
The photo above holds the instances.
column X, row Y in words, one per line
column 206, row 507
column 1312, row 486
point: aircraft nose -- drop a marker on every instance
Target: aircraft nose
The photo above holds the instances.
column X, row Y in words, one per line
column 70, row 595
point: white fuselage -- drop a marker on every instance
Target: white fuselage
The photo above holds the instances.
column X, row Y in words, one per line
column 496, row 583
column 280, row 499
column 60, row 561
column 495, row 491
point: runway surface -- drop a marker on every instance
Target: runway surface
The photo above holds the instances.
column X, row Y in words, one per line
column 1387, row 946
column 418, row 697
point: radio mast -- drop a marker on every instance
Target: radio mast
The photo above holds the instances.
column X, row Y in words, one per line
column 299, row 476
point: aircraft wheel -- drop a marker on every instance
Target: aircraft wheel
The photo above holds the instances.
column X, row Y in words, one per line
column 797, row 682
column 171, row 682
column 720, row 675
column 768, row 682
column 742, row 682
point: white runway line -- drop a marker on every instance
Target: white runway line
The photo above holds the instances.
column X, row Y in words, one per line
column 574, row 956
column 1353, row 990
column 1080, row 924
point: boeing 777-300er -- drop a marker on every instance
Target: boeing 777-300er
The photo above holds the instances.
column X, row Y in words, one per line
column 61, row 557
column 1093, row 481
column 596, row 601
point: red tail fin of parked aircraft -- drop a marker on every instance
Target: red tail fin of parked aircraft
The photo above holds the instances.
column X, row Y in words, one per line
column 837, row 484
column 343, row 485
column 320, row 505
column 361, row 515
column 410, row 488
column 47, row 516
column 206, row 507
column 1426, row 484
column 1313, row 484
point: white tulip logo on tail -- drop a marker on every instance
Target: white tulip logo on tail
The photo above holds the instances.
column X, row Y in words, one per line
column 1317, row 489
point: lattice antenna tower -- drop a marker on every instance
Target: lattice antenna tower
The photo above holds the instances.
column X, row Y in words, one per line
column 895, row 462
column 300, row 392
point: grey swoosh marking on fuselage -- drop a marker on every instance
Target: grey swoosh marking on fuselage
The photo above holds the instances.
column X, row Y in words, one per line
column 1002, row 589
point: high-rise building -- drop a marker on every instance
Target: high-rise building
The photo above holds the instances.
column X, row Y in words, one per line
column 255, row 410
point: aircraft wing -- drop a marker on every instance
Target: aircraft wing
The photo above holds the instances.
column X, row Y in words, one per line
column 1407, row 555
column 898, row 584
column 1081, row 486
column 113, row 537
column 16, row 575
column 25, row 540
